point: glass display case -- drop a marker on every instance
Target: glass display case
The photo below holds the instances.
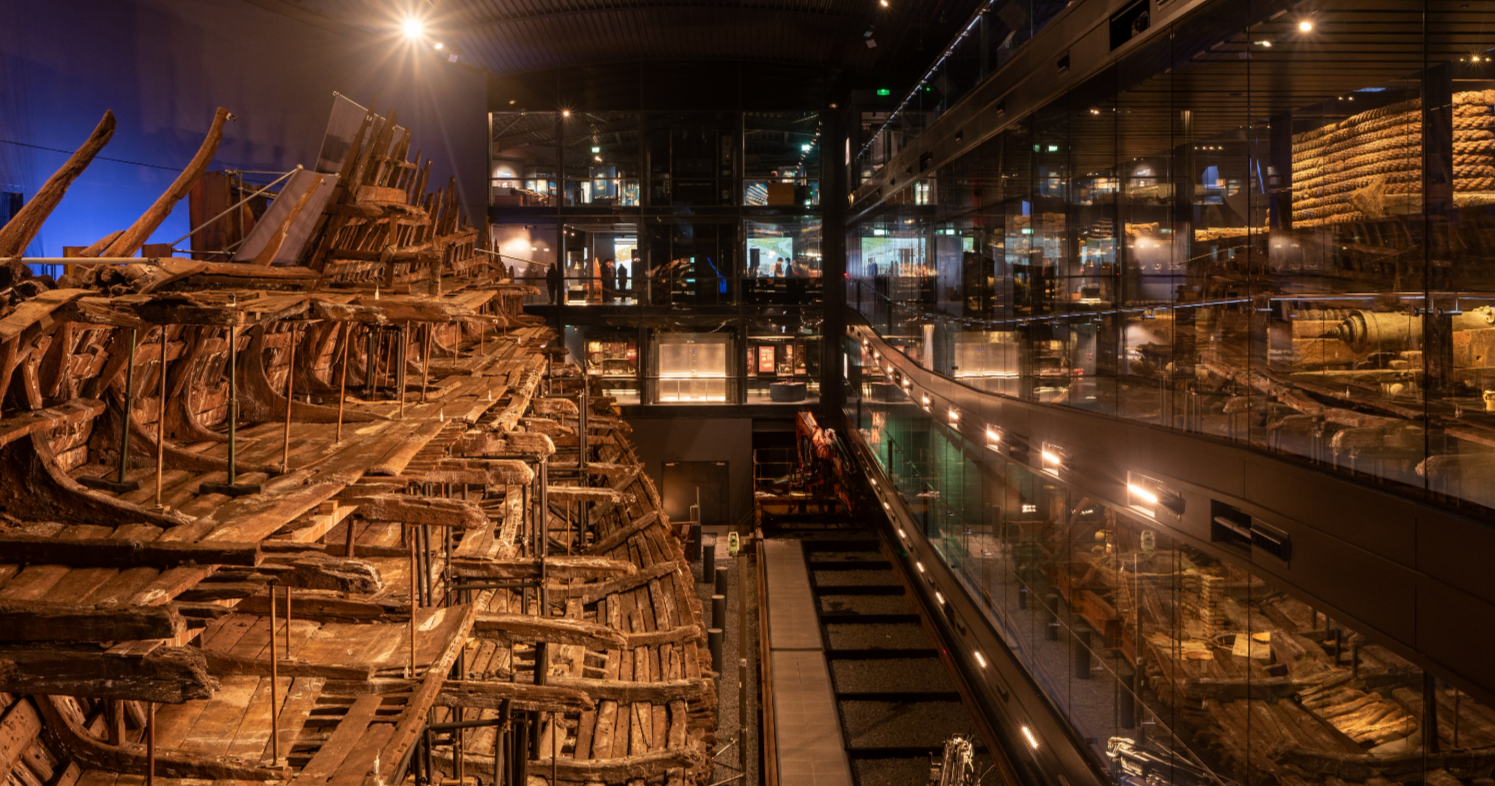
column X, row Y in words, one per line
column 782, row 368
column 614, row 359
column 692, row 368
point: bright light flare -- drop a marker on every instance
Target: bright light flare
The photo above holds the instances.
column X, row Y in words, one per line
column 413, row 28
column 980, row 659
column 1142, row 493
column 1050, row 458
column 1305, row 26
column 1032, row 740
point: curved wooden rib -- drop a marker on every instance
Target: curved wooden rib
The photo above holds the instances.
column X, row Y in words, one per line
column 53, row 496
column 134, row 238
column 19, row 232
column 186, row 375
column 260, row 401
column 90, row 751
column 143, row 451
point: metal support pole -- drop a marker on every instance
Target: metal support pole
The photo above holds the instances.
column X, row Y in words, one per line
column 342, row 393
column 413, row 577
column 161, row 426
column 232, row 488
column 274, row 686
column 119, row 485
column 285, row 456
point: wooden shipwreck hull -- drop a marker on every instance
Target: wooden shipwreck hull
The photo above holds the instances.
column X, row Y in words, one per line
column 343, row 520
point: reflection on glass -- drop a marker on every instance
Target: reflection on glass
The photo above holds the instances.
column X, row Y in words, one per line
column 1175, row 666
column 1182, row 241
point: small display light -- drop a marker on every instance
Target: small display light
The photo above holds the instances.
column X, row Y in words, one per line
column 1032, row 740
column 1305, row 26
column 980, row 659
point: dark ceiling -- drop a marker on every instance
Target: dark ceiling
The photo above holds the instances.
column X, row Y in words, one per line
column 513, row 37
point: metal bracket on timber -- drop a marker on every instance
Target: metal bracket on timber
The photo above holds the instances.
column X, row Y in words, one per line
column 133, row 759
column 53, row 496
column 261, row 402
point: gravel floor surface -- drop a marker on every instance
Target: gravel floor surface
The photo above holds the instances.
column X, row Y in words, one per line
column 907, row 675
column 859, row 636
column 891, row 772
column 855, row 578
column 886, row 724
column 865, row 604
column 846, row 556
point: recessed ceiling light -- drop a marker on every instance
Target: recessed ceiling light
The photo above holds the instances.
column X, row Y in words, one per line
column 1305, row 26
column 413, row 28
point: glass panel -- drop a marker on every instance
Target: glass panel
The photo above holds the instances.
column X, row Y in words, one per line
column 692, row 368
column 601, row 155
column 523, row 159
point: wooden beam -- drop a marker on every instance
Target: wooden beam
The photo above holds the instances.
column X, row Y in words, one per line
column 30, row 621
column 526, row 696
column 626, row 692
column 123, row 553
column 224, row 664
column 133, row 238
column 168, row 675
column 621, row 535
column 591, row 593
column 420, row 510
column 515, row 628
column 558, row 567
column 18, row 233
column 642, row 767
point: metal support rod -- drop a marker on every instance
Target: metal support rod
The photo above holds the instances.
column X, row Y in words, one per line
column 285, row 456
column 371, row 368
column 400, row 376
column 150, row 743
column 161, row 423
column 288, row 623
column 426, row 364
column 274, row 683
column 233, row 398
column 235, row 206
column 413, row 575
column 342, row 393
column 124, row 427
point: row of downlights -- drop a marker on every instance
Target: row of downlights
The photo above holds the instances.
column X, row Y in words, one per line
column 938, row 595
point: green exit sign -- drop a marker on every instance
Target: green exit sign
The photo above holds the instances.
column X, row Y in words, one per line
column 883, row 91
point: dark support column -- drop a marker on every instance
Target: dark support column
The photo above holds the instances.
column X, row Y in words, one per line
column 1280, row 172
column 1441, row 215
column 833, row 191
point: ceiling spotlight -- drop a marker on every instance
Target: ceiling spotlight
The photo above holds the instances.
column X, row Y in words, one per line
column 565, row 113
column 440, row 45
column 1265, row 43
column 884, row 3
column 413, row 28
column 1305, row 26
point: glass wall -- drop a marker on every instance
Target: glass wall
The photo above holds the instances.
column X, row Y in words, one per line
column 1173, row 666
column 1269, row 223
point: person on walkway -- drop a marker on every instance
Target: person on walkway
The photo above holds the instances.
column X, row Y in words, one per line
column 555, row 282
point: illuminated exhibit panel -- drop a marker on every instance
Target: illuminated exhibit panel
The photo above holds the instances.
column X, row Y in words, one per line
column 692, row 367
